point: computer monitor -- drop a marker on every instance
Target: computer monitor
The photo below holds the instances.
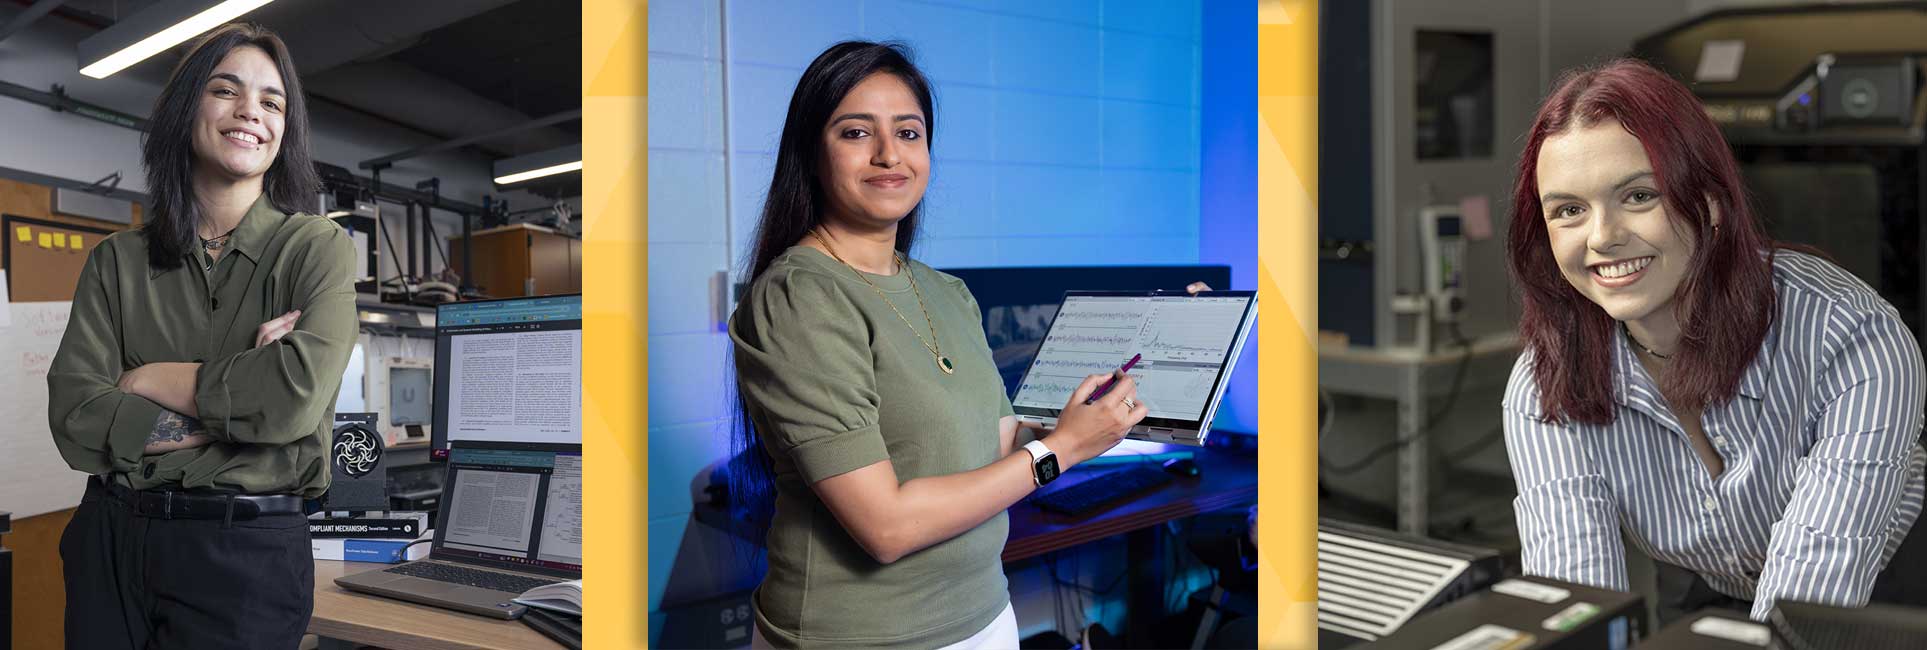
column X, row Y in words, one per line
column 508, row 371
column 1018, row 304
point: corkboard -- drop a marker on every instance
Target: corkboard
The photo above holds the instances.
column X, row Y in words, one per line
column 43, row 258
column 45, row 273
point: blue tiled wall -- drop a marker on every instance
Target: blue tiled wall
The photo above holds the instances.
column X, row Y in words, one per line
column 1067, row 133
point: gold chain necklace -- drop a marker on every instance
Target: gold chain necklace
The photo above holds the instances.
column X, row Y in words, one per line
column 933, row 345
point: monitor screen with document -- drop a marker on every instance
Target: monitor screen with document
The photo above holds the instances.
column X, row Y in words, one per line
column 508, row 371
column 1189, row 345
column 514, row 506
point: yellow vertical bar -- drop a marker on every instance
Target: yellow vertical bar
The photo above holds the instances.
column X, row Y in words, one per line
column 615, row 252
column 1287, row 287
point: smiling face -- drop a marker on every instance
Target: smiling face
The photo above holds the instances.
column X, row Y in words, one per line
column 1607, row 224
column 239, row 120
column 876, row 155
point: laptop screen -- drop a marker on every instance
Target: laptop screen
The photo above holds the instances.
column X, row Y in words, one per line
column 1187, row 344
column 513, row 505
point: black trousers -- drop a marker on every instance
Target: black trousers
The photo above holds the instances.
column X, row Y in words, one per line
column 137, row 583
column 1902, row 582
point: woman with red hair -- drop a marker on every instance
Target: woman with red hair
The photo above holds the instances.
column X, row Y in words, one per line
column 1748, row 415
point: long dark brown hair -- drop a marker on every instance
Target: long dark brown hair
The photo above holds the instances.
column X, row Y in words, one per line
column 1570, row 337
column 167, row 152
column 795, row 205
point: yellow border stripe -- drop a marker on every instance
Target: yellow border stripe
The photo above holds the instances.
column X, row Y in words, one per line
column 1287, row 287
column 615, row 251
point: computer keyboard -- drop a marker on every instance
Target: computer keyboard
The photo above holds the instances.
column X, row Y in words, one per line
column 1096, row 492
column 461, row 575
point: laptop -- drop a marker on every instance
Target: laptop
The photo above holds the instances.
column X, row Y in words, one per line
column 1187, row 346
column 511, row 520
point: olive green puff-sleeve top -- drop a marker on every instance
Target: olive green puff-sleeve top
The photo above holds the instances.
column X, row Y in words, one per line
column 835, row 381
column 270, row 409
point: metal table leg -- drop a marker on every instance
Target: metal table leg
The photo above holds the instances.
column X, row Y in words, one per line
column 1412, row 453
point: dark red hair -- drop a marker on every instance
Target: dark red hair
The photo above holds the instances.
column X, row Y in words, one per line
column 1725, row 302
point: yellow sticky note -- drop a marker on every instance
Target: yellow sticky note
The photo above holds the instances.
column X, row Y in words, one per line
column 60, row 240
column 25, row 233
column 46, row 240
column 74, row 241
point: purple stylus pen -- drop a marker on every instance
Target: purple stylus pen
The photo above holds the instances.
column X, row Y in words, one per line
column 1101, row 390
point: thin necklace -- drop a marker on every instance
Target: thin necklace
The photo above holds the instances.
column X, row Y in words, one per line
column 1642, row 346
column 216, row 243
column 213, row 245
column 933, row 345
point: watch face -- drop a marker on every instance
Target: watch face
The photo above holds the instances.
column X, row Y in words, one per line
column 1046, row 469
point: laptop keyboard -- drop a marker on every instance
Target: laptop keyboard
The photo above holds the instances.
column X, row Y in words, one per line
column 461, row 575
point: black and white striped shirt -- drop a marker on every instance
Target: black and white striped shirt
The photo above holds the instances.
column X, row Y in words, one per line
column 1823, row 468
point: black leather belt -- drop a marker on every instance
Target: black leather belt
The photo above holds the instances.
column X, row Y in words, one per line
column 199, row 504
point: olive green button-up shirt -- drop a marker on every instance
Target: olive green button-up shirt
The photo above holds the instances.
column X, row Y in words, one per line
column 270, row 409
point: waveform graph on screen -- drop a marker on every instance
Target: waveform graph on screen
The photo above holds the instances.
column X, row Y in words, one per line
column 1077, row 342
column 1181, row 344
column 1195, row 333
column 1176, row 388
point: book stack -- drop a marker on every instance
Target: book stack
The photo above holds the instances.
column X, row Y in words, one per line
column 390, row 538
column 556, row 611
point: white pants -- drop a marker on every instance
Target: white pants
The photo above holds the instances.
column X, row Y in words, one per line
column 1000, row 634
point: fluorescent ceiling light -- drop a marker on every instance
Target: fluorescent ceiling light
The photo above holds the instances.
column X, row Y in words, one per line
column 539, row 164
column 154, row 30
column 538, row 173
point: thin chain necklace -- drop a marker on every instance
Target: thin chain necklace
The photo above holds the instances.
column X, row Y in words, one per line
column 1642, row 346
column 213, row 245
column 933, row 345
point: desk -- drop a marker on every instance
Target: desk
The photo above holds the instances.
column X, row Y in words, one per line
column 1410, row 377
column 1226, row 479
column 356, row 618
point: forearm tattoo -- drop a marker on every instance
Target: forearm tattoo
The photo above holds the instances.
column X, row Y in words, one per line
column 173, row 427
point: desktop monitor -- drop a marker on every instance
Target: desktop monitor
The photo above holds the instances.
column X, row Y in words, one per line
column 508, row 371
column 1018, row 304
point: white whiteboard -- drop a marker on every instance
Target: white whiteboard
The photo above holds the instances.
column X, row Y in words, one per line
column 34, row 480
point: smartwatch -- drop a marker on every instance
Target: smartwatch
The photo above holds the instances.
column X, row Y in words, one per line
column 1043, row 463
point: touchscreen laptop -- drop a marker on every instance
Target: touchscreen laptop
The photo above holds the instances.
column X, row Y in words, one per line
column 511, row 520
column 1189, row 345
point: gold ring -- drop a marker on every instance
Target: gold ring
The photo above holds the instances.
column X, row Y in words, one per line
column 1129, row 403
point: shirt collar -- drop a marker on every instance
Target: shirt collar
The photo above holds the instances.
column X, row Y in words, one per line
column 1753, row 383
column 250, row 237
column 1625, row 364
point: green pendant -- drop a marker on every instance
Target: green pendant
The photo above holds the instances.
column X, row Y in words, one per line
column 943, row 363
